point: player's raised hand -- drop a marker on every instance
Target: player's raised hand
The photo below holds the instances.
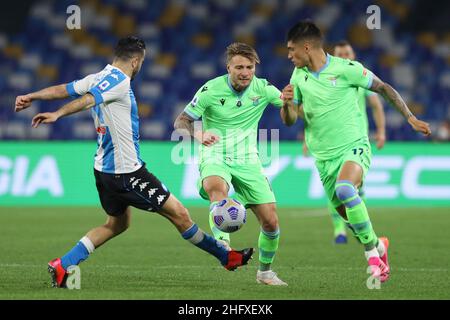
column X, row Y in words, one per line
column 47, row 117
column 419, row 125
column 22, row 102
column 208, row 139
column 288, row 93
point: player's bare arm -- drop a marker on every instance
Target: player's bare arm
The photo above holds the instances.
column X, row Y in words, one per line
column 379, row 118
column 184, row 122
column 301, row 112
column 50, row 93
column 288, row 112
column 394, row 98
column 83, row 103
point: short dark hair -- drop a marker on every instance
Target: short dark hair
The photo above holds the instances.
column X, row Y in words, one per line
column 242, row 49
column 342, row 43
column 128, row 47
column 305, row 30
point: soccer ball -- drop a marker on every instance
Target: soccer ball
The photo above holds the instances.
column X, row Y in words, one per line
column 229, row 215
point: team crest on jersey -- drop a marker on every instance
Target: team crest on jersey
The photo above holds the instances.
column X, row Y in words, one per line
column 255, row 100
column 333, row 80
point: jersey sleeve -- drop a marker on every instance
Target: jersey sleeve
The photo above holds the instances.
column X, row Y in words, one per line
column 273, row 95
column 80, row 87
column 369, row 93
column 112, row 87
column 357, row 75
column 198, row 104
column 297, row 94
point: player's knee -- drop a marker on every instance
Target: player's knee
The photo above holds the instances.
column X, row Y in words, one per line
column 216, row 190
column 347, row 193
column 270, row 223
column 118, row 225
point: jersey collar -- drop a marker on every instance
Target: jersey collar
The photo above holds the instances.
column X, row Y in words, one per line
column 316, row 74
column 118, row 69
column 239, row 94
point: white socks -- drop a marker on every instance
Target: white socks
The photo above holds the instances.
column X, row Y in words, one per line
column 381, row 248
column 371, row 253
column 88, row 244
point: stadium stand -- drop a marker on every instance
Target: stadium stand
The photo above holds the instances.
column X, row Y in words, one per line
column 186, row 40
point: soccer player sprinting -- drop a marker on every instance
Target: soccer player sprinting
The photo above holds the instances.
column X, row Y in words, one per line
column 121, row 176
column 327, row 87
column 230, row 107
column 344, row 50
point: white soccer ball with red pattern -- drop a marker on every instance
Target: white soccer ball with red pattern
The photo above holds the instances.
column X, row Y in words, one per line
column 229, row 215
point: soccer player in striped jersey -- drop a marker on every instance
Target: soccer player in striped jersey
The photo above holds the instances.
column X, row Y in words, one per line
column 121, row 176
column 324, row 89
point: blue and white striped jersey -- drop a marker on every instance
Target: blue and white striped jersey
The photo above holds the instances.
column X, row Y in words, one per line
column 116, row 119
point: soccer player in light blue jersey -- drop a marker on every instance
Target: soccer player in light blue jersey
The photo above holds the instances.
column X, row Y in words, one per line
column 121, row 176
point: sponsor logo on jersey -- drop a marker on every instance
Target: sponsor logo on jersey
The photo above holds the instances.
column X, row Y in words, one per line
column 101, row 130
column 222, row 101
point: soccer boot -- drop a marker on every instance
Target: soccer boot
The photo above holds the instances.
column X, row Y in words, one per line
column 270, row 278
column 238, row 258
column 58, row 274
column 378, row 269
column 384, row 257
column 340, row 239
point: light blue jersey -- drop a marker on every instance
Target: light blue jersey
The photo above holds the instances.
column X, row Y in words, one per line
column 116, row 119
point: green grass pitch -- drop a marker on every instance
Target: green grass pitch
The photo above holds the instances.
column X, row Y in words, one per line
column 152, row 261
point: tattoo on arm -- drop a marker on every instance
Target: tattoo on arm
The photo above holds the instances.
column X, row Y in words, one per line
column 185, row 122
column 391, row 96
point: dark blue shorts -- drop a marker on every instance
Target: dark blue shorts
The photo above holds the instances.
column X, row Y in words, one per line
column 139, row 189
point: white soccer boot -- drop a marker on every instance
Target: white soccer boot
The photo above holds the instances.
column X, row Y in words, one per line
column 270, row 278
